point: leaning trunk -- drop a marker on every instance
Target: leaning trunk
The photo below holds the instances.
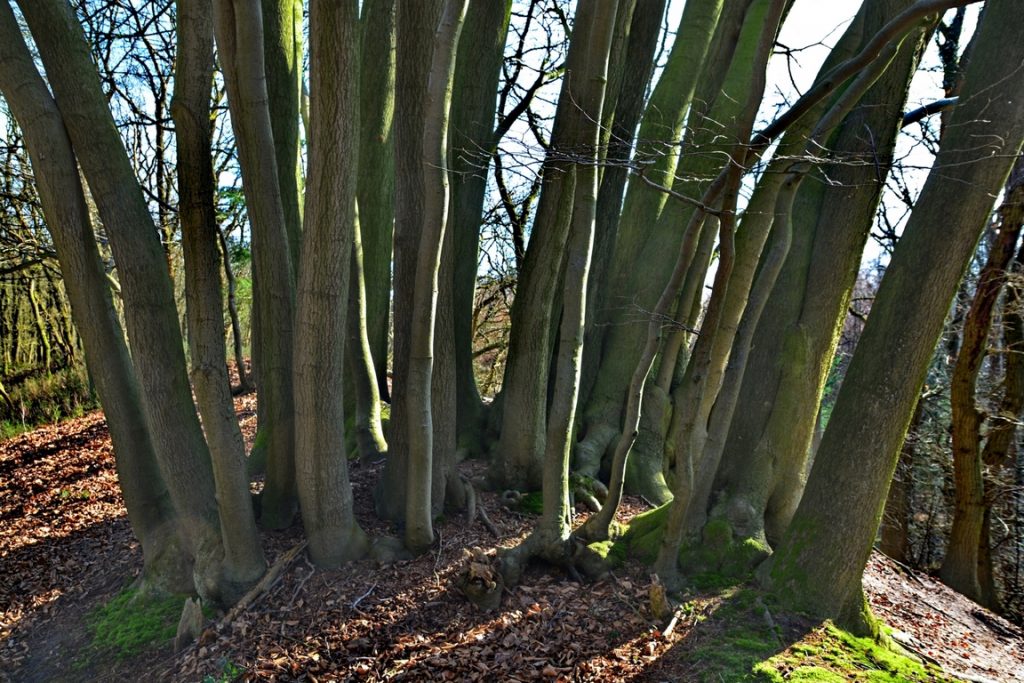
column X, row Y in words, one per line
column 818, row 566
column 166, row 566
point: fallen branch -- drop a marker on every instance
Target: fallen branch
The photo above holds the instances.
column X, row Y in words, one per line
column 265, row 584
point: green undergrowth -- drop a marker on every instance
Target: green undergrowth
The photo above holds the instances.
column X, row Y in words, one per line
column 131, row 623
column 38, row 397
column 740, row 640
column 717, row 561
column 532, row 503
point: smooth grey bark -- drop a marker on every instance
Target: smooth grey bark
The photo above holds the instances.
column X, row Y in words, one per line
column 325, row 494
column 238, row 28
column 472, row 141
column 414, row 25
column 419, row 534
column 377, row 176
column 818, row 566
column 166, row 564
column 244, row 563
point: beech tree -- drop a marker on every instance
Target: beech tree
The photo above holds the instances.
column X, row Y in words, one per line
column 847, row 484
column 365, row 189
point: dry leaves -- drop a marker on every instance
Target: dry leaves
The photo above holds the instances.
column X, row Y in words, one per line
column 65, row 546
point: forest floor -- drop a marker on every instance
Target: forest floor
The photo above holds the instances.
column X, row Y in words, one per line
column 66, row 550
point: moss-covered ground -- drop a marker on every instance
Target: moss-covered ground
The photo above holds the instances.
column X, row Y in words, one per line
column 132, row 622
column 741, row 640
column 733, row 633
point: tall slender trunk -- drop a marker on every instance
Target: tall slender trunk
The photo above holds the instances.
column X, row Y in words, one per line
column 282, row 59
column 377, row 176
column 369, row 434
column 472, row 131
column 244, row 562
column 519, row 461
column 244, row 378
column 586, row 82
column 414, row 26
column 166, row 565
column 695, row 396
column 649, row 228
column 239, row 32
column 419, row 534
column 816, row 568
column 324, row 489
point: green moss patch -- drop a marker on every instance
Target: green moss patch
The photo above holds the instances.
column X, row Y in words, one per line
column 718, row 561
column 741, row 640
column 532, row 503
column 132, row 622
column 830, row 654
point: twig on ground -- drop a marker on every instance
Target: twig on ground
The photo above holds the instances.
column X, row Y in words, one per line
column 302, row 584
column 355, row 603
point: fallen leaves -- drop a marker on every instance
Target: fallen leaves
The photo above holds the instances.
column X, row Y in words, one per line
column 65, row 545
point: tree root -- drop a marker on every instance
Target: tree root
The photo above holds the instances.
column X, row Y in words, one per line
column 474, row 509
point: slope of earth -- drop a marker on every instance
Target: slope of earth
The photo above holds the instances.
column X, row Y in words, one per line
column 66, row 550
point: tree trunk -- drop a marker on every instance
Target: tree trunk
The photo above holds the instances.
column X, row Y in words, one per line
column 419, row 534
column 370, row 441
column 238, row 26
column 330, row 212
column 414, row 25
column 377, row 176
column 626, row 88
column 695, row 396
column 153, row 328
column 166, row 565
column 960, row 566
column 894, row 530
column 282, row 59
column 474, row 99
column 818, row 566
column 244, row 563
column 649, row 228
column 585, row 84
column 519, row 461
column 761, row 476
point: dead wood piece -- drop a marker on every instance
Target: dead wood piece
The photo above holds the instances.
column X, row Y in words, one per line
column 479, row 581
column 190, row 625
column 269, row 579
column 658, row 597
